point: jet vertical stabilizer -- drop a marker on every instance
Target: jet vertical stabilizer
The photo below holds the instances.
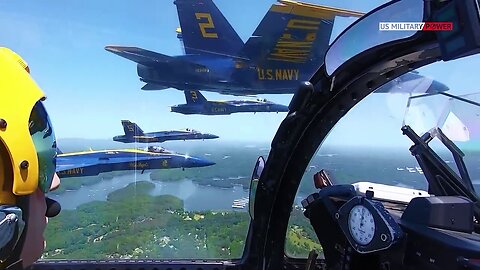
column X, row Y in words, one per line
column 292, row 34
column 205, row 29
column 131, row 129
column 194, row 97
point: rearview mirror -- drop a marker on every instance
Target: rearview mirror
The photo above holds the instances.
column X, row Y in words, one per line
column 257, row 172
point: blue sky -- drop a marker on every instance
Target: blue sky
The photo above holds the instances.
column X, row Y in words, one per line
column 90, row 90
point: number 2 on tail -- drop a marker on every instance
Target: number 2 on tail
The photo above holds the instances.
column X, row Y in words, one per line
column 206, row 25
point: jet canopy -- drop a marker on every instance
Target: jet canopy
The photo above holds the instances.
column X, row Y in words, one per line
column 157, row 149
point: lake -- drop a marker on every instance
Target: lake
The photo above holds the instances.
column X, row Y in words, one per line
column 195, row 197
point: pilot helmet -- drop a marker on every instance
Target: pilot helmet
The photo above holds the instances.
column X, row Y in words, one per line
column 27, row 151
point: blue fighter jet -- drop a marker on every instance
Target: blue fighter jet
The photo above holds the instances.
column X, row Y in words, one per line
column 287, row 47
column 91, row 163
column 198, row 104
column 133, row 133
column 413, row 83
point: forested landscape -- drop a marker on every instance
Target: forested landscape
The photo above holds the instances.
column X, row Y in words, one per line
column 157, row 227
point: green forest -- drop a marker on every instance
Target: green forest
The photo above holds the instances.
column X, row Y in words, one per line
column 158, row 227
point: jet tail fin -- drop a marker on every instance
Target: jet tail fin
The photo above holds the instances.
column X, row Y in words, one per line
column 131, row 129
column 208, row 30
column 194, row 97
column 293, row 33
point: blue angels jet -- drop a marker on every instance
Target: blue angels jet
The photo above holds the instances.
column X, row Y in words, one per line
column 286, row 47
column 91, row 163
column 198, row 104
column 133, row 133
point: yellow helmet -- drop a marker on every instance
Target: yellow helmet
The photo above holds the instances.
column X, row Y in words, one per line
column 27, row 141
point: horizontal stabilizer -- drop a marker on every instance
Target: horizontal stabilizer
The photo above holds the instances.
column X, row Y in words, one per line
column 148, row 58
column 152, row 86
column 313, row 10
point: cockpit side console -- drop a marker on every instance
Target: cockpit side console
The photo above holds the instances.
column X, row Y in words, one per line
column 442, row 212
column 440, row 233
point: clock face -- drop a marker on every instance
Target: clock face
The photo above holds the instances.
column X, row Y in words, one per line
column 361, row 225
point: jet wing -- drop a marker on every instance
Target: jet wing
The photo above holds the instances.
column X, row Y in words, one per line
column 148, row 58
column 413, row 83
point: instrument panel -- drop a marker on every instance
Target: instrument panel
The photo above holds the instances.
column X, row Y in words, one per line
column 361, row 224
column 367, row 225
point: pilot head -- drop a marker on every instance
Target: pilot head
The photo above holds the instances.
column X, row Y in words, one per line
column 27, row 164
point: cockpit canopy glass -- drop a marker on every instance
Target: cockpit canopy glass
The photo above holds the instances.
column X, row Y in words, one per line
column 371, row 31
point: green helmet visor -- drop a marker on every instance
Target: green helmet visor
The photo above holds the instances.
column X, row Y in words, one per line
column 45, row 143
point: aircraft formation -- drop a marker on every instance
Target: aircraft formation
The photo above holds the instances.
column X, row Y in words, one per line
column 284, row 49
column 90, row 163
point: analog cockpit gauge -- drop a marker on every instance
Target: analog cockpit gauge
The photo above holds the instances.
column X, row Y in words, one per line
column 361, row 225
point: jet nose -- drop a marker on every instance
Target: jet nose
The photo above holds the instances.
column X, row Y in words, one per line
column 212, row 136
column 282, row 108
column 412, row 83
column 192, row 162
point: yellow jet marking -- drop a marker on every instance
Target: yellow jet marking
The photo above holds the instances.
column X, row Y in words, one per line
column 72, row 171
column 288, row 49
column 194, row 96
column 305, row 26
column 312, row 10
column 138, row 165
column 278, row 74
column 206, row 25
column 219, row 109
column 165, row 163
column 112, row 152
